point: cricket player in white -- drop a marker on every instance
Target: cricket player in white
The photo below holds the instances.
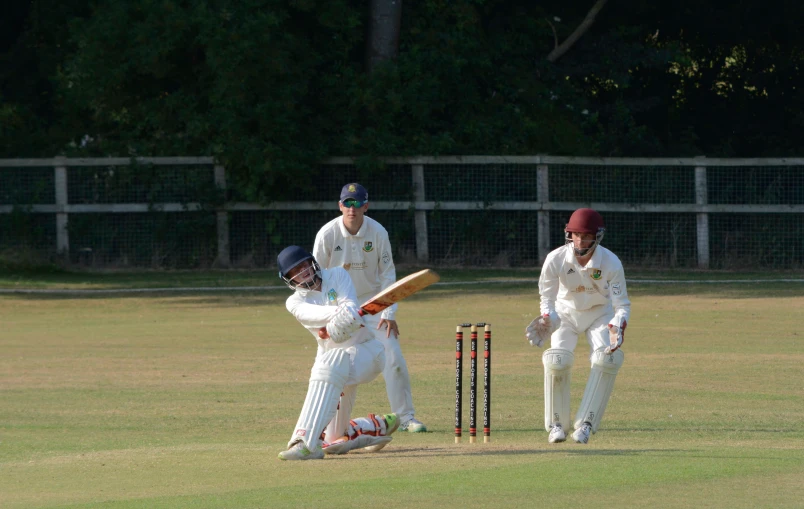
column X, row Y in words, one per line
column 582, row 290
column 349, row 356
column 360, row 245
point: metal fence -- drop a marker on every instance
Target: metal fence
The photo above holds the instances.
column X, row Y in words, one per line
column 448, row 211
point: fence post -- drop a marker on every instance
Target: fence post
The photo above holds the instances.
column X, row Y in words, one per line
column 543, row 216
column 222, row 216
column 420, row 216
column 62, row 232
column 701, row 198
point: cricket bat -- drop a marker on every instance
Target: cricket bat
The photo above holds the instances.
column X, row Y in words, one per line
column 402, row 289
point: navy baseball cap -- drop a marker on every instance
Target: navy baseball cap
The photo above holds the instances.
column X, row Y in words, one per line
column 355, row 191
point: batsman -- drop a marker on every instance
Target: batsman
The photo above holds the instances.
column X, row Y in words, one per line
column 582, row 293
column 348, row 357
column 325, row 303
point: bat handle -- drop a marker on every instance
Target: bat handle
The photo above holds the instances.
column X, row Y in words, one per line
column 322, row 332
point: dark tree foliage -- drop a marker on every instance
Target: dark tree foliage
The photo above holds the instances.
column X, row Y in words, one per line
column 271, row 86
column 34, row 44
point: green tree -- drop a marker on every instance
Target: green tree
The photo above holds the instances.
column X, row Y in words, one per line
column 34, row 42
column 270, row 87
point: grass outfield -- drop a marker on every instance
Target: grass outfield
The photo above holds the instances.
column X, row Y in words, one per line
column 184, row 400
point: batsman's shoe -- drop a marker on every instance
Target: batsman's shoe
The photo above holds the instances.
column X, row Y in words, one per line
column 557, row 434
column 581, row 435
column 391, row 425
column 413, row 426
column 344, row 445
column 299, row 451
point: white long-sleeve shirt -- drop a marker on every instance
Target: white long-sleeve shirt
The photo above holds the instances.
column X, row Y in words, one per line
column 580, row 288
column 314, row 309
column 366, row 256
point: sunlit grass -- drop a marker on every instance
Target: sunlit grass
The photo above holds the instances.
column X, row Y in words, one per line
column 184, row 401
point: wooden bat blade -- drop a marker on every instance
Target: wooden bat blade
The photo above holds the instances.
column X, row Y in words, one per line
column 402, row 289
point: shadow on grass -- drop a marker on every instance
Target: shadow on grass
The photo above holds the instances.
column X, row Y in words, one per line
column 454, row 284
column 190, row 298
column 213, row 296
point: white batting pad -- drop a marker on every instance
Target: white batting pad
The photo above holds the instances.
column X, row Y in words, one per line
column 598, row 389
column 327, row 379
column 557, row 376
column 359, row 442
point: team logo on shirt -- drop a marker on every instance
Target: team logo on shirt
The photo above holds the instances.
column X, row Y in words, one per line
column 571, row 271
column 596, row 274
column 338, row 248
column 368, row 246
column 386, row 257
column 332, row 295
column 616, row 289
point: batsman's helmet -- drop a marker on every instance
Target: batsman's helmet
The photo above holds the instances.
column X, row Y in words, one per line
column 291, row 257
column 585, row 221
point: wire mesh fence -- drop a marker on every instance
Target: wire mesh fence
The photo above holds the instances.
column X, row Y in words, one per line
column 472, row 211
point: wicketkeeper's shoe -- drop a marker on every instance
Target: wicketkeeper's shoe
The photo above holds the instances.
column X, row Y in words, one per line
column 581, row 435
column 299, row 451
column 413, row 425
column 557, row 434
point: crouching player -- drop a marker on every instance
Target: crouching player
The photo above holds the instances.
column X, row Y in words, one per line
column 582, row 290
column 348, row 357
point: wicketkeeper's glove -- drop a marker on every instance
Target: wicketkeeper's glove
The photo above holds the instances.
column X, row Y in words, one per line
column 541, row 328
column 616, row 337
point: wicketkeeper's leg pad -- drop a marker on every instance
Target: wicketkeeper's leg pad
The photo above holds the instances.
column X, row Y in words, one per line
column 598, row 389
column 557, row 376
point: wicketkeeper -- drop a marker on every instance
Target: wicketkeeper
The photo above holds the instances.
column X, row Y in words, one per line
column 348, row 357
column 582, row 289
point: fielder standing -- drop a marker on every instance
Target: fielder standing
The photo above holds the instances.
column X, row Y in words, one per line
column 348, row 357
column 582, row 290
column 360, row 245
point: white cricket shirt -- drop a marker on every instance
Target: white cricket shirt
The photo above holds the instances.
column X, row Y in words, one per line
column 314, row 309
column 601, row 281
column 366, row 256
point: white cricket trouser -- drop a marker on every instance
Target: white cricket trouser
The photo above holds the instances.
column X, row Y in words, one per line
column 395, row 373
column 365, row 362
column 594, row 322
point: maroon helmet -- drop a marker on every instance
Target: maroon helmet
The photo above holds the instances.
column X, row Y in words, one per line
column 585, row 221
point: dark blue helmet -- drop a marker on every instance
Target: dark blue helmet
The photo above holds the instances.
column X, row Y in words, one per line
column 292, row 256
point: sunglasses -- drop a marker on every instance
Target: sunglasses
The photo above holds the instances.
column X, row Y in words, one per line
column 351, row 202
